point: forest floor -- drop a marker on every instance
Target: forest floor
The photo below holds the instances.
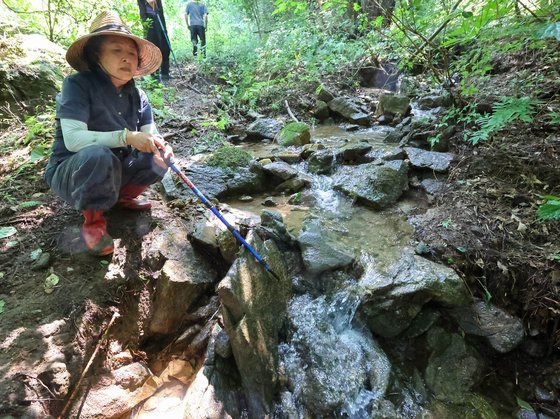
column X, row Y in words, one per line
column 57, row 312
column 56, row 299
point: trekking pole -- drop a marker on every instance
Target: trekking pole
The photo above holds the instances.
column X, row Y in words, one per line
column 212, row 208
column 169, row 45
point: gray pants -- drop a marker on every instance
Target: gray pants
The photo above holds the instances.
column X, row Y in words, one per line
column 92, row 178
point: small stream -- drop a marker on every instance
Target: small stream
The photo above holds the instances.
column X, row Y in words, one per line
column 333, row 363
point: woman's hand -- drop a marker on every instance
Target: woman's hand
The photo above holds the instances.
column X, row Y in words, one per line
column 143, row 141
column 165, row 152
column 150, row 143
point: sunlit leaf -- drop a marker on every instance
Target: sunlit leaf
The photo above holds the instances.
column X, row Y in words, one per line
column 50, row 283
column 524, row 405
column 2, row 304
column 38, row 153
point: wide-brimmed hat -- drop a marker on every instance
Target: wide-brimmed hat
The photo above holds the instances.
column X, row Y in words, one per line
column 110, row 23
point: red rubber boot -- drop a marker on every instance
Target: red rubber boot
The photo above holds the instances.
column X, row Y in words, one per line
column 94, row 232
column 128, row 200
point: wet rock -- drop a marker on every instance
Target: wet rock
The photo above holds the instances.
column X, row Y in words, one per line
column 215, row 182
column 280, row 170
column 293, row 185
column 115, row 394
column 433, row 160
column 309, row 149
column 321, row 162
column 453, row 367
column 264, row 128
column 349, row 110
column 327, row 362
column 288, row 156
column 324, row 94
column 321, row 110
column 209, row 232
column 270, row 202
column 253, row 310
column 318, row 254
column 393, row 105
column 503, row 331
column 386, row 154
column 294, row 134
column 354, row 150
column 350, row 127
column 434, row 101
column 57, row 378
column 246, row 198
column 393, row 299
column 373, row 185
column 544, row 396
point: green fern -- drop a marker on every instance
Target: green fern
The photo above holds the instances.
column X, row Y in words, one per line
column 507, row 110
column 550, row 210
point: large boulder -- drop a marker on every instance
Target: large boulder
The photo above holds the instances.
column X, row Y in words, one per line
column 433, row 160
column 113, row 395
column 349, row 110
column 31, row 72
column 374, row 185
column 294, row 133
column 503, row 331
column 253, row 307
column 211, row 234
column 184, row 276
column 393, row 105
column 217, row 182
column 393, row 299
column 264, row 128
column 213, row 393
column 318, row 254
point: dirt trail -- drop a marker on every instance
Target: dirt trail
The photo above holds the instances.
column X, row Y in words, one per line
column 42, row 328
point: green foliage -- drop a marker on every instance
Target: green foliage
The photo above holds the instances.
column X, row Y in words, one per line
column 209, row 142
column 229, row 157
column 550, row 210
column 507, row 110
column 159, row 96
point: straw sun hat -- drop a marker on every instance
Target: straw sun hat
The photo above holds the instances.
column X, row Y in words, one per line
column 109, row 23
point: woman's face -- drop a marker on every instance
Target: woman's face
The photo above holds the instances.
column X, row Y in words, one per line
column 119, row 59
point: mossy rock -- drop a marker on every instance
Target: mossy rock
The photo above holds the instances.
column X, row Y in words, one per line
column 295, row 133
column 228, row 157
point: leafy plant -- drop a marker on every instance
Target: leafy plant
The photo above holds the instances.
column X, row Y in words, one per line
column 550, row 210
column 507, row 110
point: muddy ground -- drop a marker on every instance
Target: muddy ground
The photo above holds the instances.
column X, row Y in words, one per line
column 493, row 239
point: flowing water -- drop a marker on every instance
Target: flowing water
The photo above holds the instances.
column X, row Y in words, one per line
column 332, row 363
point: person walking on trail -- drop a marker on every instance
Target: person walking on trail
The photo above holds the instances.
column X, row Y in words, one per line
column 107, row 149
column 151, row 13
column 196, row 16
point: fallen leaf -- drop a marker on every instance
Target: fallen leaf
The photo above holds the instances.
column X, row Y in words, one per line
column 522, row 228
column 50, row 283
column 503, row 268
